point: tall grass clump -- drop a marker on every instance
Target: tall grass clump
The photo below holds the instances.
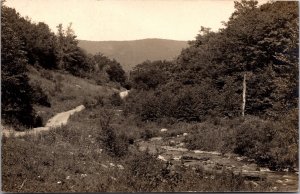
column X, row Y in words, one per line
column 114, row 144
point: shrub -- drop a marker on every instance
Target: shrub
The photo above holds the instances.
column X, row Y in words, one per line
column 270, row 143
column 58, row 83
column 116, row 100
column 147, row 134
column 115, row 72
column 39, row 96
column 47, row 74
column 114, row 144
column 89, row 102
column 144, row 172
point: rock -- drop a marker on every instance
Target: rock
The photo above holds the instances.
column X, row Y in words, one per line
column 184, row 134
column 162, row 158
column 250, row 167
column 264, row 170
column 206, row 152
column 228, row 167
column 274, row 188
column 209, row 162
column 195, row 158
column 241, row 158
column 156, row 139
column 120, row 167
column 279, row 181
column 251, row 160
column 174, row 149
column 181, row 144
column 177, row 158
column 229, row 155
column 104, row 166
column 124, row 94
column 250, row 175
column 163, row 130
column 255, row 184
column 172, row 143
column 112, row 164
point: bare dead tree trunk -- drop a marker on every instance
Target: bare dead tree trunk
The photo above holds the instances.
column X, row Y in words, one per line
column 244, row 96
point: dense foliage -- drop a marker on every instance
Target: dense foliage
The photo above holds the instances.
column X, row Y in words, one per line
column 26, row 43
column 260, row 43
column 15, row 92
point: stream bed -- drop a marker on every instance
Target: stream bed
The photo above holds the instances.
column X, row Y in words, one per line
column 172, row 149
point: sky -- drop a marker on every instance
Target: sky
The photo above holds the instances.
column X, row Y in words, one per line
column 103, row 20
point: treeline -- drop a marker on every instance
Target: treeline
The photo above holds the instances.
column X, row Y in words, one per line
column 206, row 80
column 27, row 43
column 258, row 47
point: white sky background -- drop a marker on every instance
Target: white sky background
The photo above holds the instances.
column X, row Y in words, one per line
column 128, row 19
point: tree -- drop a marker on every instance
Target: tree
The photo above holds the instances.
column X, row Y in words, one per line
column 264, row 41
column 149, row 75
column 261, row 41
column 69, row 56
column 16, row 100
column 115, row 72
column 37, row 39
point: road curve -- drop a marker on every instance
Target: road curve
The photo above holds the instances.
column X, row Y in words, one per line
column 58, row 120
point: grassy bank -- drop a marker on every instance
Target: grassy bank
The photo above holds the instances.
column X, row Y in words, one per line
column 75, row 159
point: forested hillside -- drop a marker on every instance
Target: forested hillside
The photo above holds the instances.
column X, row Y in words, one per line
column 131, row 53
column 256, row 53
column 221, row 116
column 25, row 44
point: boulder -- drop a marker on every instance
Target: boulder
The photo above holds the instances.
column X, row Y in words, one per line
column 163, row 130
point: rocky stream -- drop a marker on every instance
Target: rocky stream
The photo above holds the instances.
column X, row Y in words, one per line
column 173, row 150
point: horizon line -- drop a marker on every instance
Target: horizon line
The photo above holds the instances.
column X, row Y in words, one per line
column 133, row 40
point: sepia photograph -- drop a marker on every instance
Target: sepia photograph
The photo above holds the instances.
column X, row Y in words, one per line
column 149, row 96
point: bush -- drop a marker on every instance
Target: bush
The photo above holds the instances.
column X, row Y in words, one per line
column 114, row 144
column 147, row 134
column 145, row 172
column 91, row 102
column 58, row 83
column 47, row 74
column 270, row 143
column 115, row 72
column 39, row 96
column 116, row 100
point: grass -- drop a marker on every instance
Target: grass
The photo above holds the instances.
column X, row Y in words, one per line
column 65, row 91
column 74, row 158
column 71, row 159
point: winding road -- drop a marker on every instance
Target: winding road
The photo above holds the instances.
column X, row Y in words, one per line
column 58, row 120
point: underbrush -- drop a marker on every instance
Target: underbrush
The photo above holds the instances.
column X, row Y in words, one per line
column 78, row 158
column 64, row 92
column 269, row 143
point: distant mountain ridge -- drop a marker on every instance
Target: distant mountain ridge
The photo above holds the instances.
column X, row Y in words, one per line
column 131, row 53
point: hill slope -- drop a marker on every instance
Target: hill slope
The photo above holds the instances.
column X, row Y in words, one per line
column 131, row 53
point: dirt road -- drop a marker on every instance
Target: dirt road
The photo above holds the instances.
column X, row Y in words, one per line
column 58, row 120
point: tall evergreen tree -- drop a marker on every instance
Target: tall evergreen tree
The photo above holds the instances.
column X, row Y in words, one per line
column 16, row 101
